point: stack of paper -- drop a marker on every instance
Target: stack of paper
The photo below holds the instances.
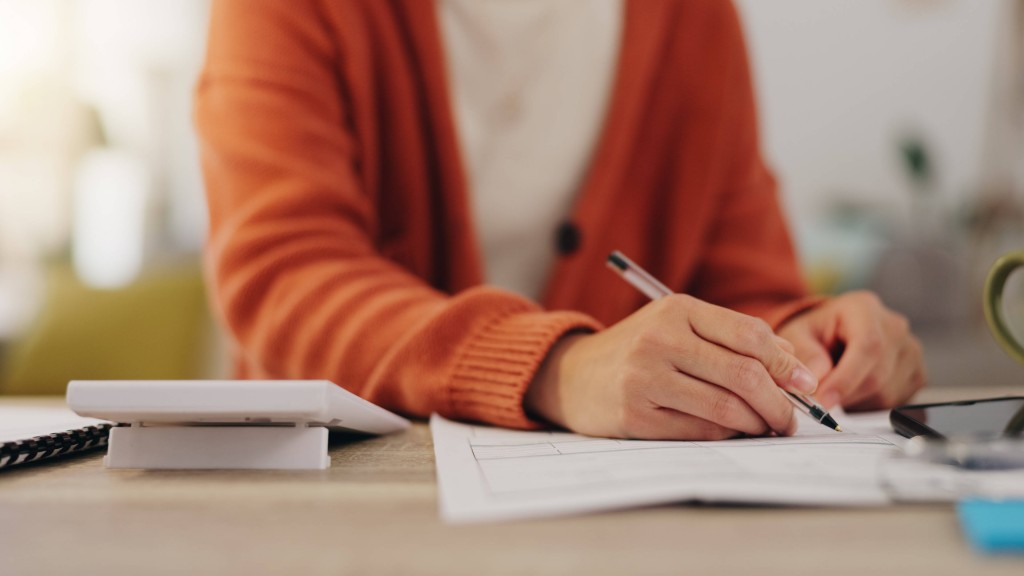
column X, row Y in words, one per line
column 488, row 474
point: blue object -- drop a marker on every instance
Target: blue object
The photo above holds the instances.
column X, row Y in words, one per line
column 994, row 526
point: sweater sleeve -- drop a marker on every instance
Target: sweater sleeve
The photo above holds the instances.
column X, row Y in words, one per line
column 749, row 263
column 292, row 260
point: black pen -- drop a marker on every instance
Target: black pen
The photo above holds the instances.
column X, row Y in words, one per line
column 653, row 289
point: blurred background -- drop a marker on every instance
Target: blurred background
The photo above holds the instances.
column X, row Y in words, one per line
column 896, row 128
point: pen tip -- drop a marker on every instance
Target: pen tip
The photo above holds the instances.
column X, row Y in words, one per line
column 839, row 428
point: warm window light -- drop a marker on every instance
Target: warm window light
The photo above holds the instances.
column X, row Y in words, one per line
column 108, row 230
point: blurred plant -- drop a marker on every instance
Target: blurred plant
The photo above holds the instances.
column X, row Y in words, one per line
column 917, row 163
column 922, row 271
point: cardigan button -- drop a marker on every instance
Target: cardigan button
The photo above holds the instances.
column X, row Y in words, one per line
column 567, row 238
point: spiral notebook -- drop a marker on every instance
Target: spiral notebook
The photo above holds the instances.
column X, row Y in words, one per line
column 31, row 434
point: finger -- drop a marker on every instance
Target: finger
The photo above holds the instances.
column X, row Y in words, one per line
column 863, row 343
column 752, row 337
column 901, row 384
column 668, row 424
column 905, row 380
column 883, row 382
column 708, row 366
column 875, row 389
column 709, row 402
column 904, row 363
column 813, row 354
column 785, row 344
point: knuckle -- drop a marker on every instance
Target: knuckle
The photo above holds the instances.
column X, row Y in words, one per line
column 872, row 342
column 747, row 374
column 723, row 408
column 900, row 324
column 755, row 333
column 762, row 328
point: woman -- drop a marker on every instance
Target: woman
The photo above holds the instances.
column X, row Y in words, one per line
column 415, row 200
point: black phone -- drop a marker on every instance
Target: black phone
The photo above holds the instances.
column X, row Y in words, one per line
column 979, row 419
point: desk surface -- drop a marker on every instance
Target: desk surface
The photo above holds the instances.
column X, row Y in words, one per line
column 375, row 512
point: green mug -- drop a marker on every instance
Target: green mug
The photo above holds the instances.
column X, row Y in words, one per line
column 994, row 285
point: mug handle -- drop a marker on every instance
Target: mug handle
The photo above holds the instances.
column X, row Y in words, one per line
column 993, row 303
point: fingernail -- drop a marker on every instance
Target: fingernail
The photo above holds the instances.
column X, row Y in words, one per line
column 803, row 381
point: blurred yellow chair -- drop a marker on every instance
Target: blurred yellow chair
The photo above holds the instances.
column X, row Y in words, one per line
column 156, row 328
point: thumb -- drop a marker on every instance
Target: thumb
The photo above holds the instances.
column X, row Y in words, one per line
column 785, row 344
column 788, row 369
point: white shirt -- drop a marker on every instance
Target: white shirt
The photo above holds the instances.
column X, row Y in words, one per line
column 530, row 82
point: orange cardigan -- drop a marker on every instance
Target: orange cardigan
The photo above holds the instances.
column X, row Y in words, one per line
column 341, row 243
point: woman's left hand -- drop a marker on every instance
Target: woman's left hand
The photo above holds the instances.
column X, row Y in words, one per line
column 880, row 362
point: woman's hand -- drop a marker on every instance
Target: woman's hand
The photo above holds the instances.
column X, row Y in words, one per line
column 880, row 362
column 679, row 368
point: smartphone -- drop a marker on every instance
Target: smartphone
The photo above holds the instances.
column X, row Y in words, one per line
column 975, row 419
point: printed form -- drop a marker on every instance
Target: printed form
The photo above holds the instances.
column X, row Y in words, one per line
column 488, row 474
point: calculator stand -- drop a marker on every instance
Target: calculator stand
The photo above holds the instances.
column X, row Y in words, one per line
column 292, row 447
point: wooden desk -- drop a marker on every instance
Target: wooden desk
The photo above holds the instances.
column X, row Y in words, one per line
column 375, row 512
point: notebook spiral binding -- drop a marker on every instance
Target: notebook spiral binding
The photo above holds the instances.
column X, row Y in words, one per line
column 51, row 445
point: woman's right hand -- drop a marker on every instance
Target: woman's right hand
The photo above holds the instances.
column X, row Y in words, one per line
column 678, row 368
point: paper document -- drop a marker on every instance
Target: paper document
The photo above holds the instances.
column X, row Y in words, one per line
column 488, row 474
column 25, row 422
column 30, row 434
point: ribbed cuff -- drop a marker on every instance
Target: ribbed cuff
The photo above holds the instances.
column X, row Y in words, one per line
column 496, row 366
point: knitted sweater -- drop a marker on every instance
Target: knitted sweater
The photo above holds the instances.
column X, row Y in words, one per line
column 341, row 244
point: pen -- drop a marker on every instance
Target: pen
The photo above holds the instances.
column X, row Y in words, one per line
column 654, row 289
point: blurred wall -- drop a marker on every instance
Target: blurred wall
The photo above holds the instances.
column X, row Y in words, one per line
column 98, row 157
column 841, row 81
column 843, row 84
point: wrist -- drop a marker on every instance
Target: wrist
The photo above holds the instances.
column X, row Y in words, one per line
column 544, row 399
